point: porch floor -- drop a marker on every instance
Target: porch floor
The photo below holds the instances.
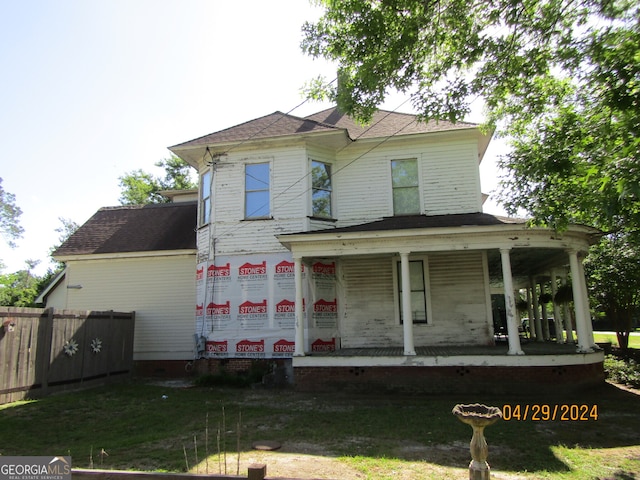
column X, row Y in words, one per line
column 499, row 349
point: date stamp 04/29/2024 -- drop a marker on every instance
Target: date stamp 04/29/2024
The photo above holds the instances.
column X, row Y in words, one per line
column 540, row 412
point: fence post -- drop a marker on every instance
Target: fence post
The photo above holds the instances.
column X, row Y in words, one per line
column 46, row 348
column 257, row 471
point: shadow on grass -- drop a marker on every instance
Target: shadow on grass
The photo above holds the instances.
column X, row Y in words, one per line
column 150, row 427
column 422, row 428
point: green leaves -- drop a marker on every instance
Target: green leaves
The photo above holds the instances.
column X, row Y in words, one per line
column 451, row 50
column 613, row 267
column 139, row 187
column 9, row 217
column 20, row 289
column 559, row 78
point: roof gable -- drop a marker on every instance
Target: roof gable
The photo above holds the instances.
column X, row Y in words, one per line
column 139, row 228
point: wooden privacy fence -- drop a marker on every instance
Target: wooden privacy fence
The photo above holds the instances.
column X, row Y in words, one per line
column 42, row 351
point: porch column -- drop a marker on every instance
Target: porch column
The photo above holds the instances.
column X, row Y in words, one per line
column 532, row 322
column 556, row 308
column 407, row 319
column 583, row 344
column 544, row 319
column 510, row 304
column 299, row 309
column 566, row 315
column 536, row 311
column 587, row 308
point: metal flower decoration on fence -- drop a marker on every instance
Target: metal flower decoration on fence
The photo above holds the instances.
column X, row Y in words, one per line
column 70, row 348
column 96, row 345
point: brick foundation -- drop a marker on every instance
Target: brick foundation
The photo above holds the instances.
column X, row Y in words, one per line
column 471, row 379
column 212, row 366
column 449, row 379
column 164, row 368
column 279, row 368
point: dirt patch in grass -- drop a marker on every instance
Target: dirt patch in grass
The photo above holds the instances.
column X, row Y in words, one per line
column 294, row 463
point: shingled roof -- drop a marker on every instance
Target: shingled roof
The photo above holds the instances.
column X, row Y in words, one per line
column 384, row 124
column 278, row 124
column 139, row 228
column 404, row 222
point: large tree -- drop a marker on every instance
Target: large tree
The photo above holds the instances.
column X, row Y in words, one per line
column 559, row 77
column 9, row 217
column 580, row 160
column 20, row 289
column 613, row 267
column 139, row 187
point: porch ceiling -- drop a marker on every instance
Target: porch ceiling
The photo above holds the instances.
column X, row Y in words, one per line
column 534, row 251
column 527, row 262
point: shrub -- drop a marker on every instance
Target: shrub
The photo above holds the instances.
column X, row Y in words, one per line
column 626, row 372
column 225, row 378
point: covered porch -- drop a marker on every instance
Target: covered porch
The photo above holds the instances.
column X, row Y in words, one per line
column 510, row 257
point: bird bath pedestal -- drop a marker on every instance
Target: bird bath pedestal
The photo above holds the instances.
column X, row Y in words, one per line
column 478, row 416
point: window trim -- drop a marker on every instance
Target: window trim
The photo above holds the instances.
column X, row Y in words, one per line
column 418, row 185
column 395, row 267
column 330, row 190
column 268, row 190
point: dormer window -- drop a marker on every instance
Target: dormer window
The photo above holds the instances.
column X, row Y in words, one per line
column 321, row 190
column 405, row 186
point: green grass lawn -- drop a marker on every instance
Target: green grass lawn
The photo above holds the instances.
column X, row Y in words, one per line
column 322, row 435
column 634, row 340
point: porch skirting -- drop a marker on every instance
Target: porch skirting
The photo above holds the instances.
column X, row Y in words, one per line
column 475, row 371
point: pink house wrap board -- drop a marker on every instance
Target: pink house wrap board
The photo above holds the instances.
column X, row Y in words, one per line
column 245, row 306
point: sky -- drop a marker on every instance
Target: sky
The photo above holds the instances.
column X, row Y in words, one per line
column 94, row 89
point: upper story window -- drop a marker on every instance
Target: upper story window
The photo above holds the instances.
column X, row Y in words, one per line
column 205, row 198
column 404, row 183
column 321, row 189
column 256, row 190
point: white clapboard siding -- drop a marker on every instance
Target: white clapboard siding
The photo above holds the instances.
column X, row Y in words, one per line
column 361, row 181
column 290, row 197
column 458, row 294
column 362, row 186
column 288, row 171
column 254, row 236
column 458, row 303
column 160, row 289
column 369, row 313
column 202, row 242
column 450, row 181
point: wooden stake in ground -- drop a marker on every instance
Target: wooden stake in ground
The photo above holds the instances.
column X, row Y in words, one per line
column 206, row 442
column 238, row 441
column 224, row 439
column 218, row 444
column 195, row 448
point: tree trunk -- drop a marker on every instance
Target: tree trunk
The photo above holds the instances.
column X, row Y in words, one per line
column 623, row 327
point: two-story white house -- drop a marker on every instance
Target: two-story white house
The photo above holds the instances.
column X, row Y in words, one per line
column 362, row 254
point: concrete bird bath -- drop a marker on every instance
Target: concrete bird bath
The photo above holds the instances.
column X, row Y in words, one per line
column 478, row 417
